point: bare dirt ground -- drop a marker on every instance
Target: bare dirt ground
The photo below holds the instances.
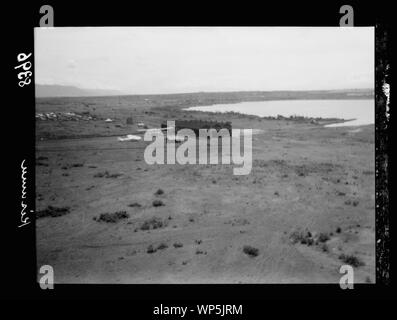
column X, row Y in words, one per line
column 307, row 206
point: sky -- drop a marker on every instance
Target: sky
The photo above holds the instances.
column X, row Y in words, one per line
column 144, row 60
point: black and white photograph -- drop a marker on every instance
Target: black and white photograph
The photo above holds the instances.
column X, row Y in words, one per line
column 198, row 161
column 285, row 191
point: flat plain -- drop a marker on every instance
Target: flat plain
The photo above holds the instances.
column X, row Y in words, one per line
column 105, row 216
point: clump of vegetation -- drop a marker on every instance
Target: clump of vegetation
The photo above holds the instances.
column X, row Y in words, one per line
column 354, row 203
column 153, row 223
column 135, row 205
column 42, row 164
column 112, row 217
column 51, row 211
column 323, row 237
column 42, row 158
column 106, row 174
column 152, row 249
column 351, row 260
column 77, row 165
column 100, row 174
column 307, row 238
column 251, row 251
column 162, row 246
column 178, row 245
column 338, row 230
column 158, row 203
column 159, row 192
column 303, row 237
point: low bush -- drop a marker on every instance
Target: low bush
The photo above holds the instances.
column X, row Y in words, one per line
column 178, row 245
column 158, row 203
column 135, row 205
column 112, row 217
column 351, row 260
column 153, row 223
column 51, row 211
column 251, row 251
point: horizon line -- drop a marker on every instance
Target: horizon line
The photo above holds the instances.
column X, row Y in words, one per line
column 190, row 92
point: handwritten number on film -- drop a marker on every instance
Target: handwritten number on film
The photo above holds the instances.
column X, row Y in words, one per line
column 25, row 65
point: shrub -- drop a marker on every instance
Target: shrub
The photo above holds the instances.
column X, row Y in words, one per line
column 158, row 203
column 135, row 205
column 162, row 246
column 77, row 165
column 251, row 251
column 153, row 223
column 114, row 175
column 112, row 217
column 303, row 237
column 51, row 211
column 323, row 237
column 100, row 174
column 159, row 192
column 39, row 163
column 178, row 245
column 106, row 174
column 351, row 260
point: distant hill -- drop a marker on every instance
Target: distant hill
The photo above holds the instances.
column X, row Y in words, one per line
column 51, row 91
column 44, row 90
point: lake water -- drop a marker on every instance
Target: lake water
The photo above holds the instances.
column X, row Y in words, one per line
column 362, row 111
